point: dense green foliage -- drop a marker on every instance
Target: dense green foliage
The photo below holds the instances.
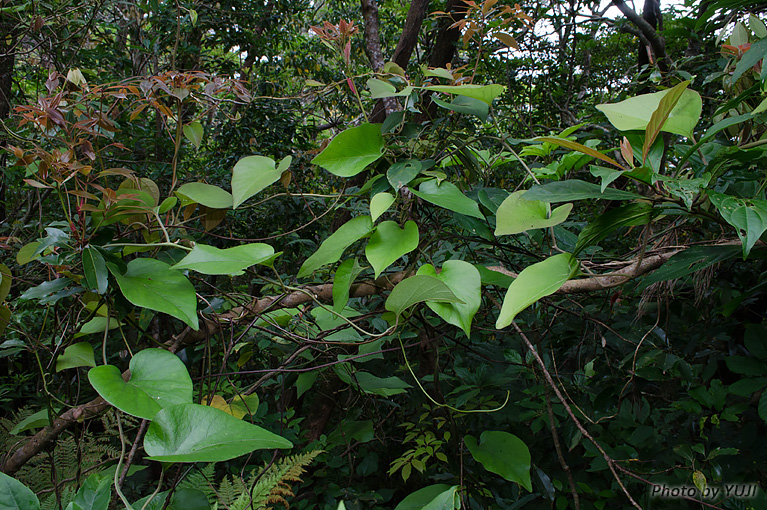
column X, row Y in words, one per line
column 539, row 282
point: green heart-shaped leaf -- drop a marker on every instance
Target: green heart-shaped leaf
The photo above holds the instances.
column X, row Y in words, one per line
column 389, row 242
column 158, row 380
column 77, row 355
column 195, row 433
column 252, row 174
column 152, row 284
column 448, row 195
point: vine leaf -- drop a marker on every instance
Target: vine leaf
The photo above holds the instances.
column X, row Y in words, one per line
column 158, row 379
column 14, row 495
column 252, row 174
column 76, row 355
column 346, row 273
column 380, row 203
column 634, row 113
column 351, row 151
column 417, row 289
column 204, row 194
column 433, row 497
column 535, row 282
column 151, row 283
column 517, row 214
column 197, row 433
column 389, row 242
column 448, row 196
column 334, row 246
column 503, row 454
column 211, row 260
column 465, row 282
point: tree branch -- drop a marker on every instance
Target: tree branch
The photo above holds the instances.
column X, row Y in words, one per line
column 657, row 42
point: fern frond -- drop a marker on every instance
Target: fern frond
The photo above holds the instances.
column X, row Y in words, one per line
column 271, row 486
column 202, row 480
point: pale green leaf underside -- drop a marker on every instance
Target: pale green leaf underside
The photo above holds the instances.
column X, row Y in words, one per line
column 448, row 196
column 389, row 242
column 503, row 454
column 634, row 113
column 250, row 175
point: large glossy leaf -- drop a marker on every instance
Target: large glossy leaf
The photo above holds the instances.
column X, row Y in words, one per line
column 389, row 242
column 749, row 217
column 14, row 495
column 152, row 284
column 206, row 194
column 211, row 260
column 158, row 379
column 76, row 355
column 351, row 151
column 334, row 246
column 638, row 213
column 575, row 189
column 534, row 282
column 634, row 113
column 95, row 269
column 503, row 454
column 196, row 433
column 517, row 214
column 433, row 497
column 448, row 196
column 418, row 289
column 252, row 174
column 485, row 93
column 465, row 282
